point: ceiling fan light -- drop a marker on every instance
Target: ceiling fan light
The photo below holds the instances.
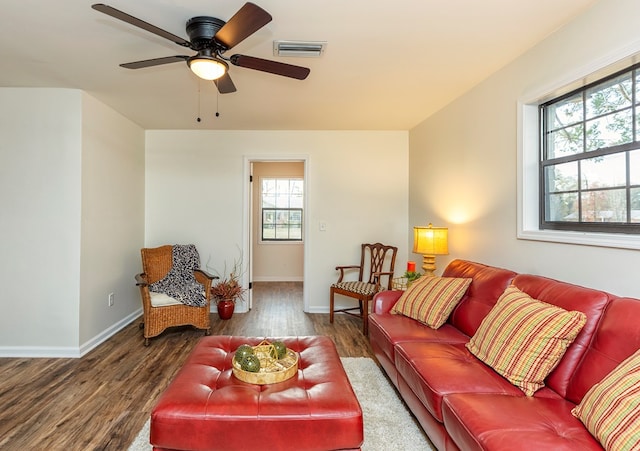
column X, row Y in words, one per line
column 207, row 67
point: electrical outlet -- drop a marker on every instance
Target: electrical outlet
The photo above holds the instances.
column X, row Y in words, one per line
column 110, row 299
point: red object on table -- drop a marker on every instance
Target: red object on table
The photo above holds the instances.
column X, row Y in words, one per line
column 411, row 266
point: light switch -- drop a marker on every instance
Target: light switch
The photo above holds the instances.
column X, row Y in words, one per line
column 323, row 226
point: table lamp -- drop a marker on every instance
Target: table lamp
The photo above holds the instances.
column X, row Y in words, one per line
column 430, row 241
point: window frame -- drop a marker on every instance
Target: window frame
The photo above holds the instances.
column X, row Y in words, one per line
column 276, row 209
column 627, row 227
column 528, row 150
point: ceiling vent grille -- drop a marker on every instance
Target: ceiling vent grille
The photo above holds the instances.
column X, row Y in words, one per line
column 308, row 49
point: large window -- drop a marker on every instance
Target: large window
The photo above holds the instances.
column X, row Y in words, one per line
column 590, row 157
column 281, row 205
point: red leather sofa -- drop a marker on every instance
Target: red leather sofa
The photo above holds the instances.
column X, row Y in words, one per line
column 461, row 403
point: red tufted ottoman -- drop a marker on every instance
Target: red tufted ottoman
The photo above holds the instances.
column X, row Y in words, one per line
column 206, row 408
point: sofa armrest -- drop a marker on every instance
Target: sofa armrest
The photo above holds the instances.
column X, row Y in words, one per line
column 385, row 300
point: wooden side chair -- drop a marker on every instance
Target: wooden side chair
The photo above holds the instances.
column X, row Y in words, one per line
column 376, row 261
column 160, row 310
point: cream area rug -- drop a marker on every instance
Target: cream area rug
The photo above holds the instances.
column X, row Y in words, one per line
column 388, row 425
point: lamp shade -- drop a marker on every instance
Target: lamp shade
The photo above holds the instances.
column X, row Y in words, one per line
column 207, row 67
column 430, row 240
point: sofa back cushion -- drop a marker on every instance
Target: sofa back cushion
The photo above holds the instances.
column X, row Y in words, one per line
column 485, row 289
column 523, row 339
column 617, row 338
column 568, row 297
column 611, row 409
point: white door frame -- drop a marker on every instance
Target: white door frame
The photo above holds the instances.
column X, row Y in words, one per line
column 247, row 213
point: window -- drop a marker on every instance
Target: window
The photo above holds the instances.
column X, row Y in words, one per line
column 590, row 157
column 281, row 205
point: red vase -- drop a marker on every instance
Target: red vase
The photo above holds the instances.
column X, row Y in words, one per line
column 225, row 309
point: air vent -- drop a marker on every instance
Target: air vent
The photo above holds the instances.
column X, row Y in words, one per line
column 309, row 49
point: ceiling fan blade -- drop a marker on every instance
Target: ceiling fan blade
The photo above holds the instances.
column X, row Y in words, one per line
column 249, row 19
column 154, row 62
column 109, row 11
column 273, row 67
column 224, row 84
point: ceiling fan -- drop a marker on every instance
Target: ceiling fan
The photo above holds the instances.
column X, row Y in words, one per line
column 211, row 38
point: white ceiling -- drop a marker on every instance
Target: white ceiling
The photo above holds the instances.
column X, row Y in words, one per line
column 388, row 65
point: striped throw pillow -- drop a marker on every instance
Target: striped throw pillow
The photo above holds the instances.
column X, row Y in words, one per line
column 431, row 300
column 611, row 408
column 523, row 339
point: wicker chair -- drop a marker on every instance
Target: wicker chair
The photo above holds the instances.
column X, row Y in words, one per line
column 156, row 263
column 374, row 258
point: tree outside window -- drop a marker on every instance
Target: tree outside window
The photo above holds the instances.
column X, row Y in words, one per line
column 590, row 157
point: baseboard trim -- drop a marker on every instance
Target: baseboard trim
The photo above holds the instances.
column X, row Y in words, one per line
column 278, row 279
column 68, row 352
column 109, row 332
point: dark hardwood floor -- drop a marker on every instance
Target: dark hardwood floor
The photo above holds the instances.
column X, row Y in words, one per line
column 100, row 401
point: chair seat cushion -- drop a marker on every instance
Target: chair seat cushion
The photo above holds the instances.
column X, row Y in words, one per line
column 162, row 300
column 364, row 288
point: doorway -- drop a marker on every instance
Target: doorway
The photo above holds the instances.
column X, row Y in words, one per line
column 276, row 223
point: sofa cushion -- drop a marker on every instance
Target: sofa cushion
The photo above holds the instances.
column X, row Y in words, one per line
column 487, row 286
column 430, row 300
column 523, row 339
column 568, row 297
column 434, row 370
column 387, row 330
column 492, row 421
column 611, row 408
column 616, row 338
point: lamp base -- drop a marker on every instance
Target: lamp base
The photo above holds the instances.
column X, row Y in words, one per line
column 429, row 265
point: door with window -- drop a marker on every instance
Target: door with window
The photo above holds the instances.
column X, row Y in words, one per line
column 278, row 221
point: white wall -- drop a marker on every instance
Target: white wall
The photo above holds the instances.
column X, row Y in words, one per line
column 274, row 261
column 40, row 221
column 72, row 203
column 463, row 159
column 112, row 220
column 356, row 183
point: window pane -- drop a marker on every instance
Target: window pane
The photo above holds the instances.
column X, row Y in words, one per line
column 268, row 186
column 566, row 141
column 296, row 201
column 635, row 205
column 604, row 206
column 282, row 200
column 295, row 217
column 610, row 130
column 295, row 232
column 562, row 177
column 282, row 232
column 563, row 207
column 609, row 96
column 268, row 232
column 268, row 201
column 565, row 112
column 603, row 172
column 634, row 167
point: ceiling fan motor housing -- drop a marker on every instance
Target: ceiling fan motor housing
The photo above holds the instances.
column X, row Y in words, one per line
column 202, row 29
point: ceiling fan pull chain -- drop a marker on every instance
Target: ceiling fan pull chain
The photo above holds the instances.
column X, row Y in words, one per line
column 198, row 118
column 217, row 103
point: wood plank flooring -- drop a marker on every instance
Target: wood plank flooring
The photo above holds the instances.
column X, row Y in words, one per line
column 100, row 401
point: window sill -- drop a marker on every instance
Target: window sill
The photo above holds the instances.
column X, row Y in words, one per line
column 620, row 241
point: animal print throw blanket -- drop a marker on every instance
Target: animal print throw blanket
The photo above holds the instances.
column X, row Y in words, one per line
column 180, row 283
